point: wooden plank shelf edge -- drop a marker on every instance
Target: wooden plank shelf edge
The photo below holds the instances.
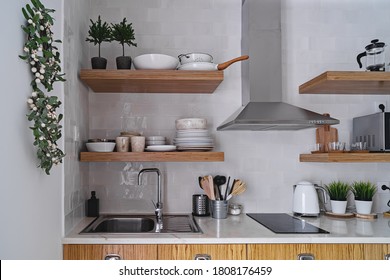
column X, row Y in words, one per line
column 348, row 82
column 345, row 157
column 152, row 157
column 151, row 81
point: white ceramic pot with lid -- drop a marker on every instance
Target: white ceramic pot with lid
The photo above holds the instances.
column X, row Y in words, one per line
column 305, row 199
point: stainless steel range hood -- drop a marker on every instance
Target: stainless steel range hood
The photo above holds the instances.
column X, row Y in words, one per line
column 263, row 108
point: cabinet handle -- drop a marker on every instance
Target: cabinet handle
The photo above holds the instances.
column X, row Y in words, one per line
column 306, row 257
column 387, row 257
column 202, row 257
column 112, row 257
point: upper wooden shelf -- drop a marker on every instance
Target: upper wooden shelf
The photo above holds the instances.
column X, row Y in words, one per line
column 348, row 82
column 152, row 157
column 151, row 81
column 345, row 157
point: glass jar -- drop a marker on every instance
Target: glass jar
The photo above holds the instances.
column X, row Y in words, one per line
column 235, row 209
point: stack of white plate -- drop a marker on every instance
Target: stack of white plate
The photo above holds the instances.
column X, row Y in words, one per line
column 193, row 140
column 158, row 144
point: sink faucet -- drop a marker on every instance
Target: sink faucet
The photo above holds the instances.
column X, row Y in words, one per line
column 158, row 205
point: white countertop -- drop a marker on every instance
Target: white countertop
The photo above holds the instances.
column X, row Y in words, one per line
column 243, row 229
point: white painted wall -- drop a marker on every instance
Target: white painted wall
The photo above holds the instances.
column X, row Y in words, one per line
column 31, row 208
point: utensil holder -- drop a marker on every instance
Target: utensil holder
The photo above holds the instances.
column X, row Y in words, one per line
column 219, row 209
column 200, row 205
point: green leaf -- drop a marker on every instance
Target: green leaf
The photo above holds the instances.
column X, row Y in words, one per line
column 25, row 14
column 28, row 7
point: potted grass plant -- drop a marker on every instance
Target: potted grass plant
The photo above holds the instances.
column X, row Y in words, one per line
column 124, row 34
column 363, row 192
column 338, row 192
column 99, row 32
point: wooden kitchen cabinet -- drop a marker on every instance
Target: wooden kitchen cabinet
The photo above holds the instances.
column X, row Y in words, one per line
column 189, row 251
column 376, row 251
column 227, row 251
column 101, row 251
column 292, row 251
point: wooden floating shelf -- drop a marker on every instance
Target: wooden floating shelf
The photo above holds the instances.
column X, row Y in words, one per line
column 151, row 81
column 348, row 82
column 152, row 157
column 345, row 157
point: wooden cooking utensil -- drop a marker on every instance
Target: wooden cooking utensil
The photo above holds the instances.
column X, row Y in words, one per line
column 238, row 188
column 326, row 134
column 211, row 187
column 205, row 186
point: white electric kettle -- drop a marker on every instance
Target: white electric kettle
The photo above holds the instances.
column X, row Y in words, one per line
column 305, row 199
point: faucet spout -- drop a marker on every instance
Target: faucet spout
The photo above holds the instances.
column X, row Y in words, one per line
column 158, row 205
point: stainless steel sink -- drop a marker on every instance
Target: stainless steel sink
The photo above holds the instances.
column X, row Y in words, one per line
column 124, row 224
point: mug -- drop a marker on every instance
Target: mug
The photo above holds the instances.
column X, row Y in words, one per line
column 122, row 144
column 137, row 143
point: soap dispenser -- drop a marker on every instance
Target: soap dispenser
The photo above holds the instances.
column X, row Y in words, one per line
column 93, row 206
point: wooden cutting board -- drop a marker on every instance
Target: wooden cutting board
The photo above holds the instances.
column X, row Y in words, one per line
column 326, row 134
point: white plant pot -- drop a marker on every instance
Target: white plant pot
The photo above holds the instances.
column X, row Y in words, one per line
column 363, row 207
column 338, row 207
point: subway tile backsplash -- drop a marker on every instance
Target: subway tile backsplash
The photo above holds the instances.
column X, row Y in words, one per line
column 316, row 36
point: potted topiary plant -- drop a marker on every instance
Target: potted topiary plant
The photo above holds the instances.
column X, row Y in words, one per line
column 99, row 32
column 124, row 34
column 363, row 192
column 338, row 193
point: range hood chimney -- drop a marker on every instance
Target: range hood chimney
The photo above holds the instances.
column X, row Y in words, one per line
column 263, row 108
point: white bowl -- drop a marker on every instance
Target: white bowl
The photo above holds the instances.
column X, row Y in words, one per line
column 155, row 61
column 155, row 138
column 155, row 142
column 193, row 123
column 195, row 57
column 100, row 147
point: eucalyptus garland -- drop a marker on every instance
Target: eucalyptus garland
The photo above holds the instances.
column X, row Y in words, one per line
column 44, row 61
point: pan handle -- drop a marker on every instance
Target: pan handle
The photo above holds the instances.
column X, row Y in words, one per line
column 223, row 66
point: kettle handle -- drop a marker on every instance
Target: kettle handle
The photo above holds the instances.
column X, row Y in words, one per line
column 358, row 58
column 323, row 190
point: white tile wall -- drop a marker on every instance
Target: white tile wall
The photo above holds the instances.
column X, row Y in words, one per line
column 76, row 120
column 317, row 36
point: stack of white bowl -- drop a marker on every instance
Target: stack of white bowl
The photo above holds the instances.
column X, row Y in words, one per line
column 192, row 135
column 155, row 140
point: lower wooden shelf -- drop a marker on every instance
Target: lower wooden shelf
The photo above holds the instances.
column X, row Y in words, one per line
column 345, row 157
column 152, row 157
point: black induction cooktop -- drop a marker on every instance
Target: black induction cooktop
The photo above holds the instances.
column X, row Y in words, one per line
column 284, row 223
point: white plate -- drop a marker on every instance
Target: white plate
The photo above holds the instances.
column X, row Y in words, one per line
column 193, row 136
column 195, row 149
column 184, row 131
column 194, row 146
column 195, row 139
column 160, row 148
column 209, row 143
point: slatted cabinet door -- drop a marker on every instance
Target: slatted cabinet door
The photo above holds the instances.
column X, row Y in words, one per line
column 189, row 251
column 101, row 251
column 293, row 251
column 376, row 251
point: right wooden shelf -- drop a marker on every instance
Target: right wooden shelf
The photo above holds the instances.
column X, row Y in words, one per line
column 348, row 82
column 345, row 157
